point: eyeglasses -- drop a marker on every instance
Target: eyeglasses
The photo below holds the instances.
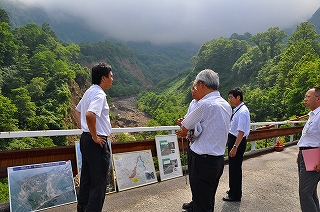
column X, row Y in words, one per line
column 194, row 88
column 309, row 96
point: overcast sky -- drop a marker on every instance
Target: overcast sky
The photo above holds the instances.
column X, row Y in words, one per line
column 170, row 21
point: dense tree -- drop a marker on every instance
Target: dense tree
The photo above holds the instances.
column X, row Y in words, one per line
column 220, row 55
column 165, row 109
column 37, row 88
column 246, row 36
column 270, row 42
column 304, row 75
column 284, row 79
column 305, row 32
column 245, row 69
column 4, row 17
column 21, row 98
column 30, row 143
column 7, row 111
column 32, row 36
column 11, row 78
column 8, row 47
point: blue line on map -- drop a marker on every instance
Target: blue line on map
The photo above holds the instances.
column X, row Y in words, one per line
column 19, row 168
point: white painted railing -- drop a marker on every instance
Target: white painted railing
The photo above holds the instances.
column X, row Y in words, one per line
column 171, row 129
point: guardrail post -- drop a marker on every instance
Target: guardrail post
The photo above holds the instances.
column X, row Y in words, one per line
column 291, row 136
column 170, row 132
column 275, row 138
column 253, row 143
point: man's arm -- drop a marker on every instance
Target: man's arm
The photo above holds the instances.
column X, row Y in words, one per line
column 78, row 117
column 239, row 138
column 91, row 122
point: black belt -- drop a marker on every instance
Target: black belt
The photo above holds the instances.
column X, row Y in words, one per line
column 204, row 155
column 88, row 133
column 306, row 147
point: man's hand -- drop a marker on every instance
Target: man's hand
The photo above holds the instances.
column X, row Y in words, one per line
column 183, row 132
column 233, row 152
column 91, row 122
column 99, row 140
column 179, row 121
column 317, row 167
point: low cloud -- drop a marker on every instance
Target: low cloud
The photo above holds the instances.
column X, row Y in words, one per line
column 167, row 21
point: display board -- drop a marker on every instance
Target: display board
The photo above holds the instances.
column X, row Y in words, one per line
column 41, row 186
column 168, row 156
column 111, row 182
column 134, row 169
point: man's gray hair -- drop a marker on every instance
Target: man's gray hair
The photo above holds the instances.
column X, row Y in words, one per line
column 209, row 78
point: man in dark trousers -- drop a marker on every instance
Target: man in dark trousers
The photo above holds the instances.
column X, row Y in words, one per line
column 310, row 138
column 190, row 137
column 206, row 160
column 92, row 113
column 237, row 142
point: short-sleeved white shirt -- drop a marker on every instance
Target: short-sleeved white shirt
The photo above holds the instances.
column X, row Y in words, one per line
column 191, row 106
column 240, row 120
column 311, row 131
column 94, row 100
column 213, row 113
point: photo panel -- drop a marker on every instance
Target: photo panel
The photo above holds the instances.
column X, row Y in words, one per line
column 168, row 156
column 41, row 186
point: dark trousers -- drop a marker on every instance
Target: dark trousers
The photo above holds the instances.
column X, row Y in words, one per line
column 204, row 174
column 235, row 167
column 308, row 184
column 93, row 180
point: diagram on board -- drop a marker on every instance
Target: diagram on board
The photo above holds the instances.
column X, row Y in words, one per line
column 134, row 169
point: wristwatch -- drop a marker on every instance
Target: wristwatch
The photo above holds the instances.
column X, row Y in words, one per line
column 235, row 146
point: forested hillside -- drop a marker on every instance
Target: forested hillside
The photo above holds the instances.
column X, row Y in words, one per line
column 39, row 77
column 274, row 70
column 68, row 31
column 39, row 74
column 42, row 78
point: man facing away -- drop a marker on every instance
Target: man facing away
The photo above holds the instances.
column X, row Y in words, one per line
column 190, row 137
column 310, row 138
column 237, row 143
column 206, row 151
column 92, row 113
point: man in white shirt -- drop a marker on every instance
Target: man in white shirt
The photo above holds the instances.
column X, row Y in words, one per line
column 92, row 113
column 237, row 143
column 310, row 138
column 190, row 137
column 207, row 150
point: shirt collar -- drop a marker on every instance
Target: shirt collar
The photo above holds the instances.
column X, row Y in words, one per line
column 212, row 94
column 239, row 106
column 315, row 111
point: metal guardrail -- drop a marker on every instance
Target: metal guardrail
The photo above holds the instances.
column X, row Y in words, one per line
column 43, row 155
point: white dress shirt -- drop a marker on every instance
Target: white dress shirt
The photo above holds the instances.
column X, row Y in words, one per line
column 240, row 120
column 311, row 131
column 192, row 105
column 94, row 100
column 213, row 113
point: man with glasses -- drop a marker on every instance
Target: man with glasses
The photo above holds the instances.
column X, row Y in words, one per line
column 92, row 113
column 237, row 143
column 190, row 137
column 310, row 138
column 206, row 160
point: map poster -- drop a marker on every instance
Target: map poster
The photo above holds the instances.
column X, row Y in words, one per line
column 41, row 186
column 134, row 169
column 168, row 156
column 111, row 183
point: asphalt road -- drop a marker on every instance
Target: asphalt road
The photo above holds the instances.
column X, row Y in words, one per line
column 270, row 183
